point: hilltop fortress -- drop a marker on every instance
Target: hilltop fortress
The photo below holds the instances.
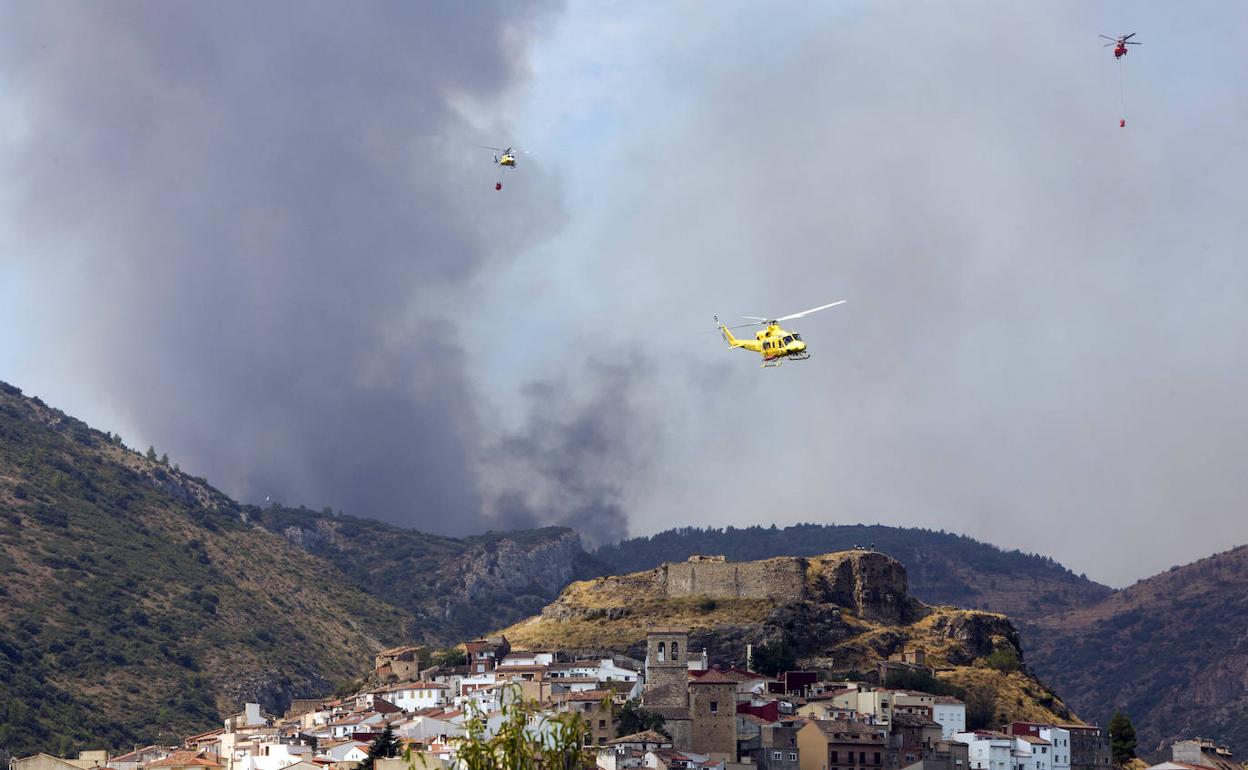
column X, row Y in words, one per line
column 871, row 585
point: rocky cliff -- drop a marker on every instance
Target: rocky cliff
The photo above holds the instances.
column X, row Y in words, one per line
column 455, row 588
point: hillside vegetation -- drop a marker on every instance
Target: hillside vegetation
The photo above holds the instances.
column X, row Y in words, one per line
column 454, row 588
column 1170, row 650
column 944, row 568
column 852, row 612
column 139, row 603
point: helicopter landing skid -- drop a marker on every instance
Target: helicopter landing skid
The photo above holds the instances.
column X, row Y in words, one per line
column 781, row 359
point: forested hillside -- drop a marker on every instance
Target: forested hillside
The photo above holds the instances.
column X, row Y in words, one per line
column 1170, row 650
column 140, row 603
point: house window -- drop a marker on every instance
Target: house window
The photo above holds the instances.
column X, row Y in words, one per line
column 834, row 759
column 675, row 650
column 792, row 756
column 862, row 757
column 662, row 651
column 777, row 755
column 714, row 707
column 877, row 758
column 602, row 723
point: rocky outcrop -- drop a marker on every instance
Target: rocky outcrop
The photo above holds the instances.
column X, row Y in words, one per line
column 504, row 565
column 977, row 634
column 871, row 585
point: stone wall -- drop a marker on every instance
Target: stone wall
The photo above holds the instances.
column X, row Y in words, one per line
column 868, row 584
column 774, row 579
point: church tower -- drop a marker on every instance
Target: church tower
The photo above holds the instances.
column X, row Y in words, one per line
column 667, row 672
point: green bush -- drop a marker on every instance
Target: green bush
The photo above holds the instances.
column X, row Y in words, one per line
column 1004, row 659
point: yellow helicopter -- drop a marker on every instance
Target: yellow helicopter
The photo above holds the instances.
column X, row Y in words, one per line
column 505, row 159
column 773, row 342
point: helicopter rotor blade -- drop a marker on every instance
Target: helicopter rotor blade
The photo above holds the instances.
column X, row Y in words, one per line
column 488, row 147
column 1128, row 37
column 1131, row 42
column 812, row 310
column 757, row 318
column 1107, row 37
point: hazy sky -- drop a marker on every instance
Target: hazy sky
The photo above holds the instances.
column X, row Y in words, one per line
column 263, row 239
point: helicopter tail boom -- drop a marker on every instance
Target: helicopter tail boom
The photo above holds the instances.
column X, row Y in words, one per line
column 732, row 341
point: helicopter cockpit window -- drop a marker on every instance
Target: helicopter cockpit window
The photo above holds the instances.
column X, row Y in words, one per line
column 787, row 340
column 797, row 337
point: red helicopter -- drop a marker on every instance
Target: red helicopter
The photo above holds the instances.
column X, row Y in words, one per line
column 1119, row 43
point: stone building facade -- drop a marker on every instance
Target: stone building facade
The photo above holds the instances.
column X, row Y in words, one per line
column 713, row 716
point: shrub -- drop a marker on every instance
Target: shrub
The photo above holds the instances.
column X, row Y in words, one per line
column 1004, row 659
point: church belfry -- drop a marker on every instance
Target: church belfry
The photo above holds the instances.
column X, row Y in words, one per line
column 667, row 672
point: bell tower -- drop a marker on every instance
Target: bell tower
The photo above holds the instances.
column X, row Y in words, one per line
column 667, row 672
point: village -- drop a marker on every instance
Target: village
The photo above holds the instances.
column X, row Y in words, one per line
column 674, row 710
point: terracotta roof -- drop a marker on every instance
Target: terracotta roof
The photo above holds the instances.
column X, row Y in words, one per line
column 1033, row 739
column 667, row 630
column 411, row 686
column 713, row 677
column 132, row 754
column 209, row 734
column 185, row 759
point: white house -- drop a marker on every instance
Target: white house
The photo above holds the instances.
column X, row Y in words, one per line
column 414, row 696
column 1031, row 753
column 476, row 682
column 950, row 714
column 1059, row 742
column 434, row 724
column 528, row 659
column 988, row 750
column 344, row 751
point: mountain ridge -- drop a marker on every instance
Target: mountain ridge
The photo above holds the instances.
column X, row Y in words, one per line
column 1169, row 650
column 944, row 568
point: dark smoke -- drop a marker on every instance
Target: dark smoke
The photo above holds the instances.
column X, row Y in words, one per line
column 259, row 219
column 572, row 461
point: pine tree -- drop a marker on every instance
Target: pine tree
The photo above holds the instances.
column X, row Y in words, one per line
column 384, row 746
column 151, row 452
column 1122, row 738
